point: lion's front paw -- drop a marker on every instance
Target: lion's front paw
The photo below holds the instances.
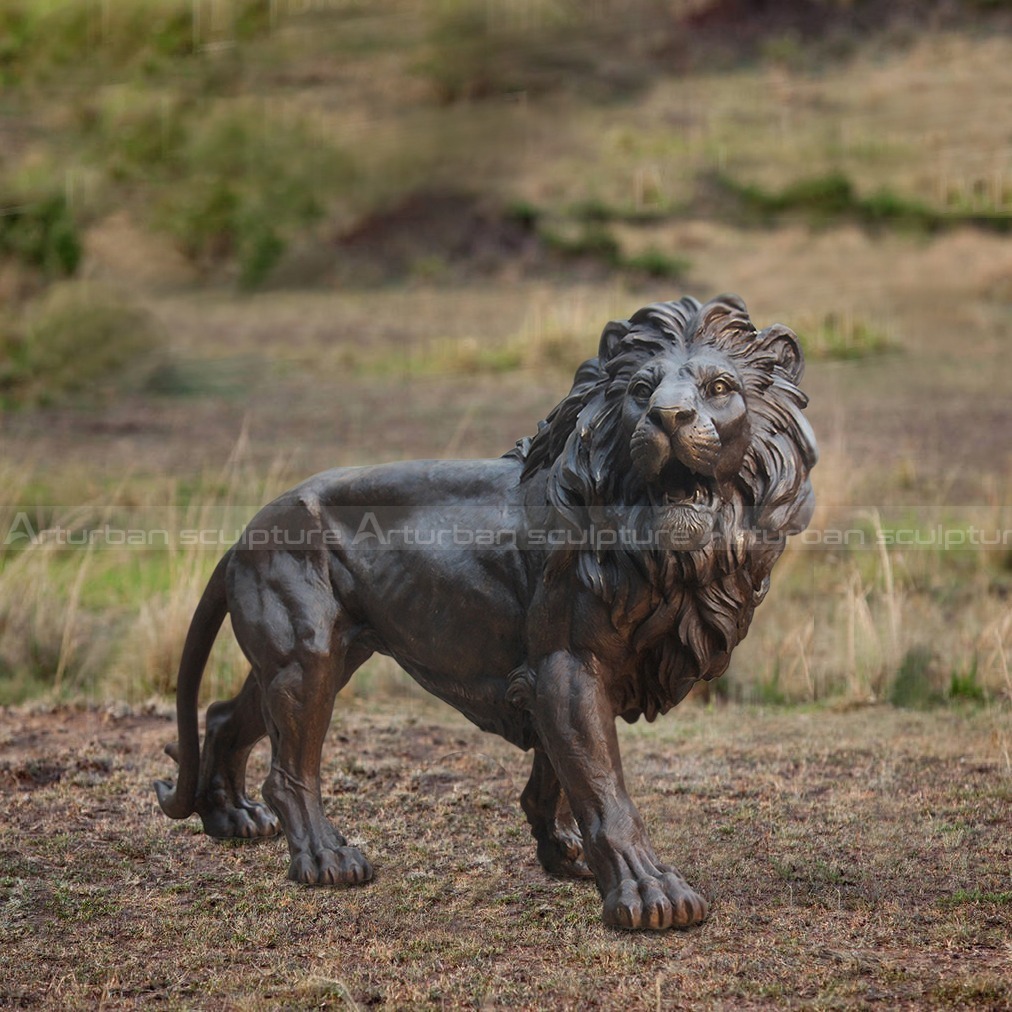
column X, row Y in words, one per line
column 666, row 901
column 337, row 866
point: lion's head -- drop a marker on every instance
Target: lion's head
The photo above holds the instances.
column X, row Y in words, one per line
column 686, row 425
column 683, row 448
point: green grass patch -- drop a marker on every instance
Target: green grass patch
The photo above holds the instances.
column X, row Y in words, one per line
column 920, row 682
column 44, row 41
column 840, row 336
column 588, row 237
column 655, row 263
column 553, row 346
column 823, row 200
column 463, row 357
column 961, row 896
column 965, row 686
column 594, row 210
column 18, row 684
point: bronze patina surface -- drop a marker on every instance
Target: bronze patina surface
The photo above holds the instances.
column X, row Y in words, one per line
column 598, row 569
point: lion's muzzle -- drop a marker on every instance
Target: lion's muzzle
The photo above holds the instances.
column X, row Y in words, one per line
column 677, row 449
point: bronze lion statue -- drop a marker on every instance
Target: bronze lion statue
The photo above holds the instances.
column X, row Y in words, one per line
column 597, row 570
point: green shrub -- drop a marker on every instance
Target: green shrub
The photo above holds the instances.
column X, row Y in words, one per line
column 656, row 263
column 593, row 210
column 886, row 207
column 914, row 686
column 592, row 240
column 821, row 198
column 248, row 185
column 473, row 55
column 43, row 42
column 77, row 339
column 227, row 180
column 524, row 213
column 139, row 138
column 478, row 49
column 40, row 233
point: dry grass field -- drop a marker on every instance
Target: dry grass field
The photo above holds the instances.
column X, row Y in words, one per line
column 237, row 252
column 853, row 859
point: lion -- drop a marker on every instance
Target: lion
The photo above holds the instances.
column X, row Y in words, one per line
column 599, row 569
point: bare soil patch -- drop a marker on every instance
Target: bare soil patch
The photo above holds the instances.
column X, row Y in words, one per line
column 852, row 859
column 439, row 232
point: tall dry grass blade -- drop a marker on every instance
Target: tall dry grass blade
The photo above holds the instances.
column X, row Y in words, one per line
column 805, row 639
column 998, row 660
column 71, row 610
column 892, row 601
column 850, row 596
column 864, row 647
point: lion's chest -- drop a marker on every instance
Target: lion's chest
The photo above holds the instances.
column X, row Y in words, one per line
column 685, row 636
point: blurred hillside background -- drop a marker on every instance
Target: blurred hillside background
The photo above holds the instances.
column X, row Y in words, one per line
column 245, row 240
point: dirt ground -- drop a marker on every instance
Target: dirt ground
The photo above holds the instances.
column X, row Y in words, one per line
column 853, row 859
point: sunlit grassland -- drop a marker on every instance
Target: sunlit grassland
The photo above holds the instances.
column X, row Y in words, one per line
column 95, row 600
column 196, row 160
column 241, row 154
column 864, row 608
column 918, row 123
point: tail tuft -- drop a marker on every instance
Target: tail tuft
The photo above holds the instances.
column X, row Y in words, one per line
column 171, row 805
column 180, row 801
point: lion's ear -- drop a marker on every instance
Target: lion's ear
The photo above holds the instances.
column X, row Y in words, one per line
column 611, row 339
column 781, row 343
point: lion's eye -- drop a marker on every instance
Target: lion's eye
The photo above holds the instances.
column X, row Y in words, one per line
column 641, row 390
column 720, row 388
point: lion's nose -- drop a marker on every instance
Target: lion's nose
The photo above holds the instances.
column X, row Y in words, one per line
column 672, row 417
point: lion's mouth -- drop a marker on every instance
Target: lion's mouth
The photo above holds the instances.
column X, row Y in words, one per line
column 686, row 504
column 681, row 486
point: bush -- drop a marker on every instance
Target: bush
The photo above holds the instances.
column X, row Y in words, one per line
column 41, row 42
column 593, row 240
column 479, row 49
column 915, row 686
column 820, row 198
column 77, row 339
column 228, row 182
column 657, row 264
column 40, row 233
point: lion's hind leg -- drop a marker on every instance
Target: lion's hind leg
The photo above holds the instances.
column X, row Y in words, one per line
column 232, row 729
column 560, row 846
column 303, row 648
column 300, row 700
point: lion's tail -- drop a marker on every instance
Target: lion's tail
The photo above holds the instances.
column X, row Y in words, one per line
column 179, row 802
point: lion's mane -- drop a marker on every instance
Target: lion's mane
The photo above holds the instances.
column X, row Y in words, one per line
column 682, row 612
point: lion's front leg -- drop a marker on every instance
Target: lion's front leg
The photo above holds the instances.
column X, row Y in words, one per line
column 577, row 729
